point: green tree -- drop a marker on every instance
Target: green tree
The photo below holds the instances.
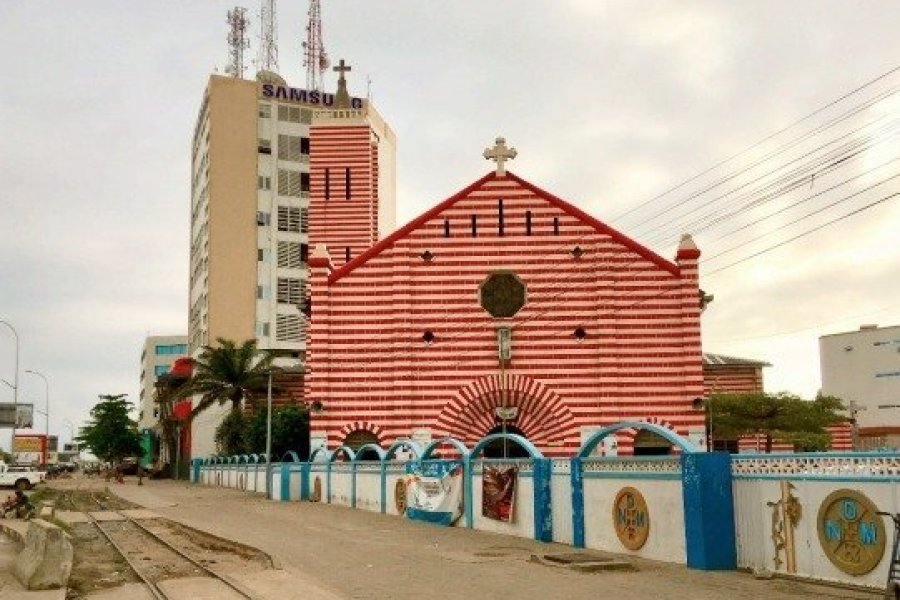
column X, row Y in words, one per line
column 783, row 416
column 290, row 431
column 229, row 373
column 231, row 434
column 110, row 433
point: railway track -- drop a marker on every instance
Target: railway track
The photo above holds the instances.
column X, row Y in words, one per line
column 152, row 558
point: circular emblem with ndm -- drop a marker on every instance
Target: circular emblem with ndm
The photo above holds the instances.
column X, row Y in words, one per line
column 851, row 532
column 400, row 495
column 317, row 490
column 631, row 518
column 502, row 294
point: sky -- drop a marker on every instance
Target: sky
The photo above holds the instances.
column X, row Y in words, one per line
column 609, row 105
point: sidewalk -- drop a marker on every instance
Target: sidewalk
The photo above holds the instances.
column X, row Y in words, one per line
column 358, row 554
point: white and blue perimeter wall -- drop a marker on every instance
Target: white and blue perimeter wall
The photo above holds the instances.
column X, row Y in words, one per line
column 793, row 514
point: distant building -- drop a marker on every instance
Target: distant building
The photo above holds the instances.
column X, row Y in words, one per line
column 724, row 374
column 256, row 144
column 159, row 354
column 863, row 368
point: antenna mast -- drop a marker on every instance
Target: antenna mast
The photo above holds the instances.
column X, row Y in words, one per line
column 237, row 40
column 268, row 37
column 314, row 58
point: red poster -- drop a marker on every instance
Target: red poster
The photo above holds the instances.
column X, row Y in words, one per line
column 498, row 493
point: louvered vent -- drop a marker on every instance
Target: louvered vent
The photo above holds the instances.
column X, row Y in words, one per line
column 290, row 291
column 289, row 219
column 289, row 255
column 289, row 147
column 291, row 114
column 288, row 183
column 287, row 328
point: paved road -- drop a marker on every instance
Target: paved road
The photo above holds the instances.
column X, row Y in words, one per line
column 335, row 552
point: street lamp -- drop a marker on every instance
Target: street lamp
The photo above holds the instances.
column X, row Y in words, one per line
column 15, row 385
column 46, row 400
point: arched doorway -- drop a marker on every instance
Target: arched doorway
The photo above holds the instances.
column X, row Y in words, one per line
column 505, row 448
column 357, row 439
column 648, row 443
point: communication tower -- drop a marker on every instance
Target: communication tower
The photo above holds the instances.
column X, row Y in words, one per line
column 237, row 40
column 314, row 58
column 268, row 37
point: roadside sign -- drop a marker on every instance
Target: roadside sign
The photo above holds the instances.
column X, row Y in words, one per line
column 25, row 415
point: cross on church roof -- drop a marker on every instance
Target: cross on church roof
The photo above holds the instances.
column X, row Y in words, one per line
column 342, row 68
column 500, row 154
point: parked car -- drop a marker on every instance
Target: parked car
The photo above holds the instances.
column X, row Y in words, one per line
column 21, row 478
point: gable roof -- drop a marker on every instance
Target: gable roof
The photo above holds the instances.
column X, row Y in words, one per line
column 579, row 214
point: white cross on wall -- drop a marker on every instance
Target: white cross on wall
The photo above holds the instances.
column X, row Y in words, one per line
column 500, row 154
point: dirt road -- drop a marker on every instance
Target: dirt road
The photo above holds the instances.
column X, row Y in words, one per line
column 356, row 554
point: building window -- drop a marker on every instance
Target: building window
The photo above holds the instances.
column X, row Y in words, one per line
column 555, row 225
column 262, row 292
column 161, row 370
column 262, row 254
column 347, row 183
column 289, row 147
column 304, row 145
column 287, row 328
column 289, row 290
column 262, row 329
column 527, row 222
column 500, row 218
column 289, row 219
column 474, row 226
column 264, row 182
column 446, row 227
column 265, row 111
column 171, row 349
column 262, row 218
column 290, row 255
column 304, row 220
column 289, row 183
column 327, row 183
column 264, row 146
column 290, row 114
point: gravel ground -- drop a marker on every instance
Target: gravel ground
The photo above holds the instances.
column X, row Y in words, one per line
column 330, row 551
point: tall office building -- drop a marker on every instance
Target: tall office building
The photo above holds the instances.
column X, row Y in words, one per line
column 250, row 210
column 159, row 354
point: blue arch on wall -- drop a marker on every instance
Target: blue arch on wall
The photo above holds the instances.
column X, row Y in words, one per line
column 413, row 446
column 243, row 459
column 589, row 444
column 378, row 450
column 234, row 459
column 513, row 437
column 320, row 450
column 293, row 456
column 261, row 457
column 348, row 453
column 430, row 448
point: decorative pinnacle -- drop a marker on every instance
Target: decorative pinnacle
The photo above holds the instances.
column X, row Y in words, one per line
column 500, row 154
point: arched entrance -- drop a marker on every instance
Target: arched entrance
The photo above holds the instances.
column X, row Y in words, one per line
column 504, row 448
column 357, row 439
column 648, row 443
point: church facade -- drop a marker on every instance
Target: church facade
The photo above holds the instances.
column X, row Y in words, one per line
column 502, row 308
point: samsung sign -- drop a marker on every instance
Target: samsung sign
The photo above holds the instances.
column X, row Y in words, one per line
column 280, row 92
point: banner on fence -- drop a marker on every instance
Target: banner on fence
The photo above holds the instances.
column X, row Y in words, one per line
column 498, row 493
column 435, row 498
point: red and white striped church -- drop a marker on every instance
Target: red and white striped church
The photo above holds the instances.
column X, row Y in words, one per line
column 502, row 308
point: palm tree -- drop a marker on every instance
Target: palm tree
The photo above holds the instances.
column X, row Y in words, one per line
column 229, row 373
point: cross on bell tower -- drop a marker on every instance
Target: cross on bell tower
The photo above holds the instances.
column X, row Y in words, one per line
column 500, row 154
column 342, row 98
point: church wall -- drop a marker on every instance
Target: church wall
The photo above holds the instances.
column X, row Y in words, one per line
column 640, row 357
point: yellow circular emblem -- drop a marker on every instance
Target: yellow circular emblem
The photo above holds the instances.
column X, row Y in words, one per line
column 851, row 532
column 631, row 518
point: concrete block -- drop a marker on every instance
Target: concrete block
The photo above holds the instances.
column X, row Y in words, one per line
column 46, row 560
column 46, row 512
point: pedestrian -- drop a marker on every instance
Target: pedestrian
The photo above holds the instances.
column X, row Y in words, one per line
column 140, row 474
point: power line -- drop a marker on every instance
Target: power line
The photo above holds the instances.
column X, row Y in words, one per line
column 759, row 143
column 805, row 233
